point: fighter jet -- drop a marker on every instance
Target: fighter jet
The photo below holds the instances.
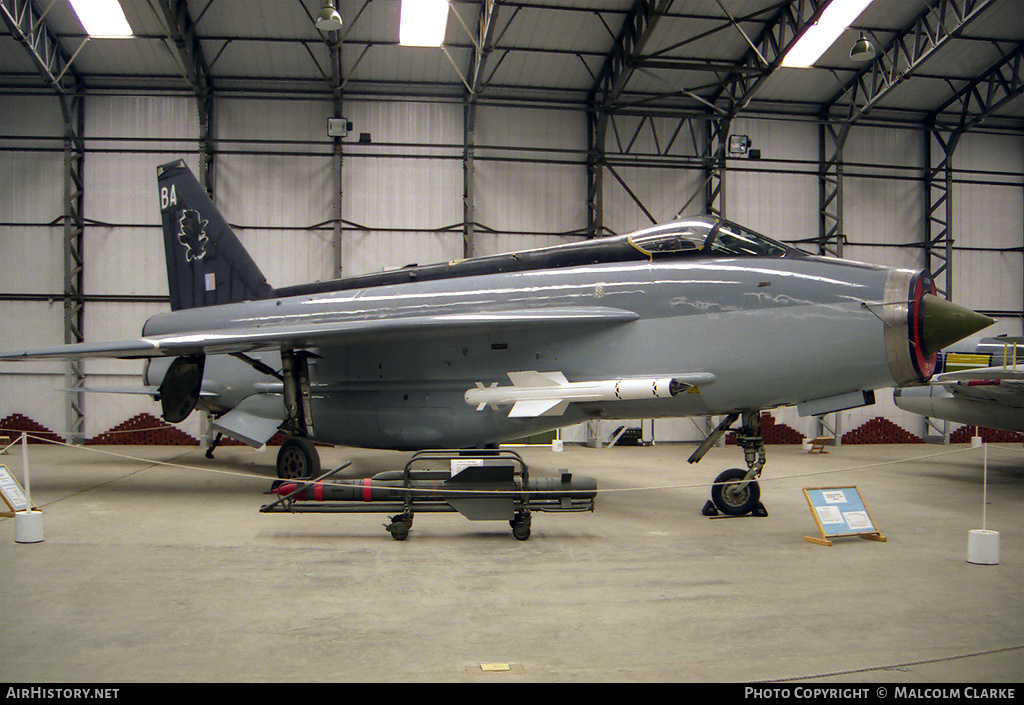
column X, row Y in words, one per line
column 978, row 382
column 696, row 317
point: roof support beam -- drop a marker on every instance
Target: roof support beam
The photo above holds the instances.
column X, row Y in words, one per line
column 184, row 43
column 618, row 65
column 29, row 27
column 337, row 151
column 938, row 246
column 1000, row 84
column 714, row 165
column 767, row 51
column 333, row 40
column 483, row 44
column 831, row 235
column 745, row 80
column 909, row 49
column 74, row 261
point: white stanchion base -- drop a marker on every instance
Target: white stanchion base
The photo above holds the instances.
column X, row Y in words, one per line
column 983, row 547
column 556, row 445
column 28, row 527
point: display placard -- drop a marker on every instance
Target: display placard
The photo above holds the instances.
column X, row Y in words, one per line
column 838, row 512
column 13, row 496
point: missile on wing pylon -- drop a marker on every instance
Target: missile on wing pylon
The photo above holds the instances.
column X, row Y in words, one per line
column 549, row 393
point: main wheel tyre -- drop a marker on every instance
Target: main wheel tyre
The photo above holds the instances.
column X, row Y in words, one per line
column 298, row 460
column 729, row 498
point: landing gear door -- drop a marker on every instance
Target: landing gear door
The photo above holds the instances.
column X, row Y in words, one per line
column 180, row 388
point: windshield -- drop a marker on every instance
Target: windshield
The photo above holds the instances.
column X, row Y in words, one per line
column 706, row 236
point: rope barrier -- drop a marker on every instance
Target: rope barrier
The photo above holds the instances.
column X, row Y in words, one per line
column 649, row 488
column 894, row 666
column 869, row 466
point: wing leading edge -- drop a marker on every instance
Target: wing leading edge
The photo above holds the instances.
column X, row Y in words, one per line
column 998, row 384
column 277, row 336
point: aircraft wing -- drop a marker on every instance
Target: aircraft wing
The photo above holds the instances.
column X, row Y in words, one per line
column 989, row 397
column 990, row 384
column 147, row 390
column 276, row 336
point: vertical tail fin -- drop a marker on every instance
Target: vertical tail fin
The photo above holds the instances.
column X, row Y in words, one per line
column 206, row 264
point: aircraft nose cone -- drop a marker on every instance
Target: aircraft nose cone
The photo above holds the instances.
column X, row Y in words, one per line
column 944, row 322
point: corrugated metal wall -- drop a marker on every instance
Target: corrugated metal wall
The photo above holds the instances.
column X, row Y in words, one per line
column 402, row 193
column 403, row 203
column 273, row 172
column 778, row 193
column 31, row 253
column 988, row 214
column 530, row 175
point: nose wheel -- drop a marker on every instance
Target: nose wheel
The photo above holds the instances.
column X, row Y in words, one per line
column 734, row 495
column 736, row 492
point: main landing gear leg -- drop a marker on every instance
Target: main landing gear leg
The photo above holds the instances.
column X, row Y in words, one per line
column 736, row 492
column 298, row 458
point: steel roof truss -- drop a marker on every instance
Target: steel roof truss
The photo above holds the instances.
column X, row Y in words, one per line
column 1000, row 84
column 909, row 49
column 29, row 27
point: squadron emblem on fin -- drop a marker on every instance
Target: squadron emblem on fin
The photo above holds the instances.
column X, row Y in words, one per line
column 192, row 235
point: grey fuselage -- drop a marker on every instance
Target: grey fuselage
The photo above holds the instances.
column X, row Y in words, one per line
column 769, row 331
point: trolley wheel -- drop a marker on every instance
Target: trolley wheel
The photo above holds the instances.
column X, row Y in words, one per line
column 399, row 526
column 521, row 527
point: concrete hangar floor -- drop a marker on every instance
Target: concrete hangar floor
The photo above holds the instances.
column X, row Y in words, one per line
column 153, row 572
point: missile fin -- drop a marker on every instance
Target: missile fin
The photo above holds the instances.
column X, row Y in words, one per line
column 539, row 407
column 530, row 378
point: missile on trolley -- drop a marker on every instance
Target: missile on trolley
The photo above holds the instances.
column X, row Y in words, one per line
column 549, row 393
column 441, row 486
column 493, row 486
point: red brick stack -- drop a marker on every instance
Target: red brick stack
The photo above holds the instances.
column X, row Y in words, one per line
column 144, row 430
column 988, row 435
column 772, row 433
column 879, row 430
column 16, row 423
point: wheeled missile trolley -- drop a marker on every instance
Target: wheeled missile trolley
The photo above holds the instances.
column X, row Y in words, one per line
column 480, row 485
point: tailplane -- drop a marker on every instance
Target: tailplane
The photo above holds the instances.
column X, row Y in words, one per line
column 206, row 263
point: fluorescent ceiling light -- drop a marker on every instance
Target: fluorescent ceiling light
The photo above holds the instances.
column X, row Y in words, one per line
column 839, row 15
column 423, row 23
column 102, row 18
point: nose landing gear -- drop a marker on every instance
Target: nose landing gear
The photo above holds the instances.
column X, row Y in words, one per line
column 735, row 491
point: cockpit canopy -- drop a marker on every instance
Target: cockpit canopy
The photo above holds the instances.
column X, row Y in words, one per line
column 705, row 236
column 696, row 237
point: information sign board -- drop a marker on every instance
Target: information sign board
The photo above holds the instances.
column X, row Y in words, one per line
column 13, row 496
column 838, row 512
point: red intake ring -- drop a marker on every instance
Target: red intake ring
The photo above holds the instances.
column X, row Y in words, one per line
column 901, row 313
